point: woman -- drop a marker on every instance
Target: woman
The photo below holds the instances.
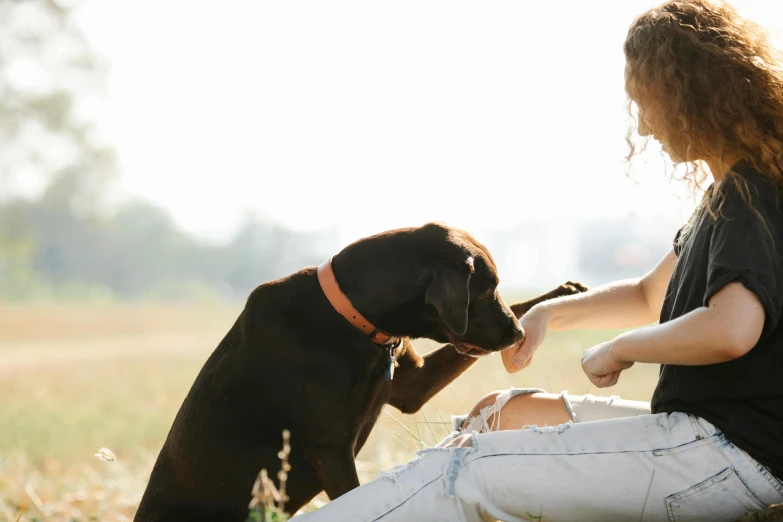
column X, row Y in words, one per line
column 709, row 88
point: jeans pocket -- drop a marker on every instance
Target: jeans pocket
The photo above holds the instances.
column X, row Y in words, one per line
column 722, row 497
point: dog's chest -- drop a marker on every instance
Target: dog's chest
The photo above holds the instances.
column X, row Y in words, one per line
column 370, row 398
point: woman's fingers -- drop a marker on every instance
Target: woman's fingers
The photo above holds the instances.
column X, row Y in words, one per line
column 605, row 381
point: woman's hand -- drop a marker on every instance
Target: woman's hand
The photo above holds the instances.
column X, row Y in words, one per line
column 519, row 356
column 602, row 366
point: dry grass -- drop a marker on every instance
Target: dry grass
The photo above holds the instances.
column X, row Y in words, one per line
column 74, row 380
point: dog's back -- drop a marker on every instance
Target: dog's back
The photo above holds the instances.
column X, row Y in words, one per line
column 219, row 423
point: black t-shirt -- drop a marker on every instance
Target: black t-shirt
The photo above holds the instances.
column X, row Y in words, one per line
column 743, row 397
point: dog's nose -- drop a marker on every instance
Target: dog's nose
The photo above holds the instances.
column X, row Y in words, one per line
column 519, row 334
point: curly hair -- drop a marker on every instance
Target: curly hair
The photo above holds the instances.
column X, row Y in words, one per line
column 718, row 81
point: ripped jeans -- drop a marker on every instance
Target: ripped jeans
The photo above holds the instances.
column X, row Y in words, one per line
column 667, row 466
column 581, row 408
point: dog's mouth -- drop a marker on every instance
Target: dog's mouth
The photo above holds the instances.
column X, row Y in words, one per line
column 470, row 349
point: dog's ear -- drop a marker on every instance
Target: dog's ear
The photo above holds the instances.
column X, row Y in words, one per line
column 449, row 293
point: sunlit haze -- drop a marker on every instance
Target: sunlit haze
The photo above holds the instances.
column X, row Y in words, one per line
column 371, row 115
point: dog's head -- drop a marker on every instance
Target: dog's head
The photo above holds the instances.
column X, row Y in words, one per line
column 461, row 293
column 433, row 281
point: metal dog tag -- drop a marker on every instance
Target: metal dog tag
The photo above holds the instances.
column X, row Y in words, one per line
column 390, row 367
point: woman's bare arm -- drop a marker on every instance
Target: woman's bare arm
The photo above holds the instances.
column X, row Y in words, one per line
column 623, row 304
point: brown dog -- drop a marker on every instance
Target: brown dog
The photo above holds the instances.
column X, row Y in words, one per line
column 311, row 353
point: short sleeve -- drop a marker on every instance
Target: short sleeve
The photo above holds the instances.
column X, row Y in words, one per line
column 746, row 245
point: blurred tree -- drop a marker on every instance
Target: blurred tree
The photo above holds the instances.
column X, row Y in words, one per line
column 56, row 239
column 51, row 150
column 50, row 77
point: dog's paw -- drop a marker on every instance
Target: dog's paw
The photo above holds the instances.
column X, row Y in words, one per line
column 571, row 288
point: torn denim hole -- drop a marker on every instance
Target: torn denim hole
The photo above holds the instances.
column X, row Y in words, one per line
column 601, row 400
column 557, row 430
column 451, row 470
column 450, row 437
column 481, row 422
column 569, row 407
column 394, row 473
column 457, row 421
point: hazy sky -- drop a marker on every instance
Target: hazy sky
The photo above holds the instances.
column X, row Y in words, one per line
column 375, row 115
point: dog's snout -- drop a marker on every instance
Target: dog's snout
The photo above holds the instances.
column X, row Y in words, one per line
column 519, row 333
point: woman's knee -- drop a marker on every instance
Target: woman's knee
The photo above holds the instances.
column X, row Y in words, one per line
column 534, row 409
column 501, row 410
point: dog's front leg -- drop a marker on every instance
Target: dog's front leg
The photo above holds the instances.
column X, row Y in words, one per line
column 334, row 466
column 569, row 288
column 418, row 379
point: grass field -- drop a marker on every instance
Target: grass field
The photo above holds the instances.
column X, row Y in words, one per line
column 76, row 379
